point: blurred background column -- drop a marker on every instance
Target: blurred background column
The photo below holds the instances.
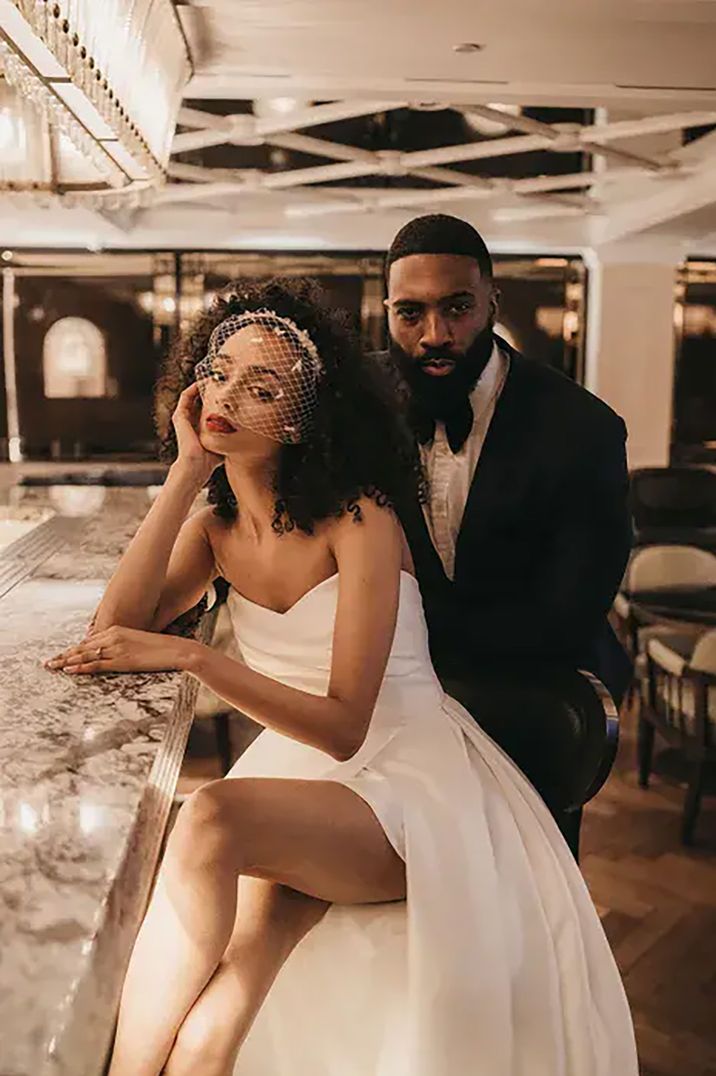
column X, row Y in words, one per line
column 631, row 344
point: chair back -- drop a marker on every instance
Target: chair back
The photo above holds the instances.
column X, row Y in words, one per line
column 657, row 566
column 561, row 728
column 679, row 692
column 673, row 497
column 703, row 658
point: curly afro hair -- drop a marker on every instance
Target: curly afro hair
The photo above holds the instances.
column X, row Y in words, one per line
column 360, row 444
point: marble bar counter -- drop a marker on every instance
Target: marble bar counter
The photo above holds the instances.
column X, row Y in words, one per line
column 88, row 768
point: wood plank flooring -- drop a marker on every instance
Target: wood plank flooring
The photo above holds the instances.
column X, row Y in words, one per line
column 657, row 901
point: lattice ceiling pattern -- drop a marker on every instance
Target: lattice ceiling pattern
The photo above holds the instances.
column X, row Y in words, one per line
column 325, row 123
column 607, row 162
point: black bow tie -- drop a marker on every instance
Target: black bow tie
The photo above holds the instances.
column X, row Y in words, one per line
column 457, row 425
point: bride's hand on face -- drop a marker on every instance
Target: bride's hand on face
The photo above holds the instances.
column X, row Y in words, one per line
column 191, row 452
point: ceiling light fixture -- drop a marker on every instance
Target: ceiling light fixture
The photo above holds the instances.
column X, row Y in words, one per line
column 490, row 128
column 91, row 93
column 467, row 47
column 269, row 107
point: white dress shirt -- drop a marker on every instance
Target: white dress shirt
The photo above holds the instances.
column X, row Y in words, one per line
column 450, row 475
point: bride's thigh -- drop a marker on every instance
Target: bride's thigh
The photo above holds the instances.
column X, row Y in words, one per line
column 318, row 837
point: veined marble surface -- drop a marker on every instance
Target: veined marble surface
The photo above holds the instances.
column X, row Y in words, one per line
column 88, row 767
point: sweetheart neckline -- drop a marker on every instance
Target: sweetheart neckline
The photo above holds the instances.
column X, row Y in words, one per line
column 306, row 594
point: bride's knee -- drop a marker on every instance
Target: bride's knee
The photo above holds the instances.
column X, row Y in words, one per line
column 195, row 1049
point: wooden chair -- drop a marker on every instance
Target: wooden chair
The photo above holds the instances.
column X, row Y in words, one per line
column 673, row 505
column 654, row 568
column 679, row 702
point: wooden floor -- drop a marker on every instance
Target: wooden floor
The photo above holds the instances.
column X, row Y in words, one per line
column 657, row 901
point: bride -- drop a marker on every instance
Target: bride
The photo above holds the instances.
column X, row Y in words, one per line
column 377, row 890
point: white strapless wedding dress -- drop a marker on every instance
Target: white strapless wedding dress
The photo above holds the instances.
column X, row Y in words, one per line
column 496, row 964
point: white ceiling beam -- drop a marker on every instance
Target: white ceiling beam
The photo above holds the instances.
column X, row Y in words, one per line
column 562, row 138
column 505, row 147
column 122, row 220
column 313, row 115
column 678, row 197
column 367, row 201
column 692, row 188
column 198, row 118
column 381, row 162
column 647, row 125
column 226, row 186
column 321, row 173
column 228, row 84
column 541, row 211
column 197, row 192
column 451, row 175
column 473, row 151
column 572, row 180
column 526, row 124
column 319, row 147
column 219, row 181
column 552, row 206
column 615, row 131
column 624, row 156
column 240, row 127
column 556, row 137
column 191, row 173
column 195, row 173
column 655, row 201
column 385, row 162
column 399, row 199
column 700, row 149
column 233, row 133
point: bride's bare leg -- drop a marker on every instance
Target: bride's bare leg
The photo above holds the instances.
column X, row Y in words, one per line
column 316, row 837
column 270, row 922
column 182, row 938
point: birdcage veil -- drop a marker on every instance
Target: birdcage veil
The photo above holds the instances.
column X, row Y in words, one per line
column 267, row 380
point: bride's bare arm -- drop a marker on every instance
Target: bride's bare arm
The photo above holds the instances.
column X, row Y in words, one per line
column 145, row 574
column 147, row 585
column 368, row 555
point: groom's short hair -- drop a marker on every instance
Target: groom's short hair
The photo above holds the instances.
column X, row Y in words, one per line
column 439, row 233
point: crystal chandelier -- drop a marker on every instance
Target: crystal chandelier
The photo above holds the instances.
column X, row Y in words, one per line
column 90, row 94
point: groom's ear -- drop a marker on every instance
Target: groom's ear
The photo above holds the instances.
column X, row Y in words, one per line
column 494, row 300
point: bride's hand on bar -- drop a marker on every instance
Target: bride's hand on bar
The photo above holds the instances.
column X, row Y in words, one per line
column 120, row 649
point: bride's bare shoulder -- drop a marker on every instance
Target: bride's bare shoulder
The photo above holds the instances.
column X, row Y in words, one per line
column 214, row 526
column 376, row 514
column 210, row 519
column 370, row 523
column 217, row 532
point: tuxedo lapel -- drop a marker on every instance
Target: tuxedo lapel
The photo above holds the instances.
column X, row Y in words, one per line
column 500, row 472
column 428, row 565
column 499, row 477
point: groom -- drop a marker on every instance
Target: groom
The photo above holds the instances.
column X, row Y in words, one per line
column 524, row 538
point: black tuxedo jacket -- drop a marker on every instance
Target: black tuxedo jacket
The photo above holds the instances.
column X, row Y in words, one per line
column 544, row 539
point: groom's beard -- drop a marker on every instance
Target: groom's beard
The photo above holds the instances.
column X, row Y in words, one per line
column 440, row 397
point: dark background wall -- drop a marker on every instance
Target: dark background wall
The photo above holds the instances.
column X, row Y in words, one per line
column 122, row 422
column 136, row 337
column 694, row 423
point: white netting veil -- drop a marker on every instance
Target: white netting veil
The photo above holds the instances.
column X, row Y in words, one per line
column 261, row 372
